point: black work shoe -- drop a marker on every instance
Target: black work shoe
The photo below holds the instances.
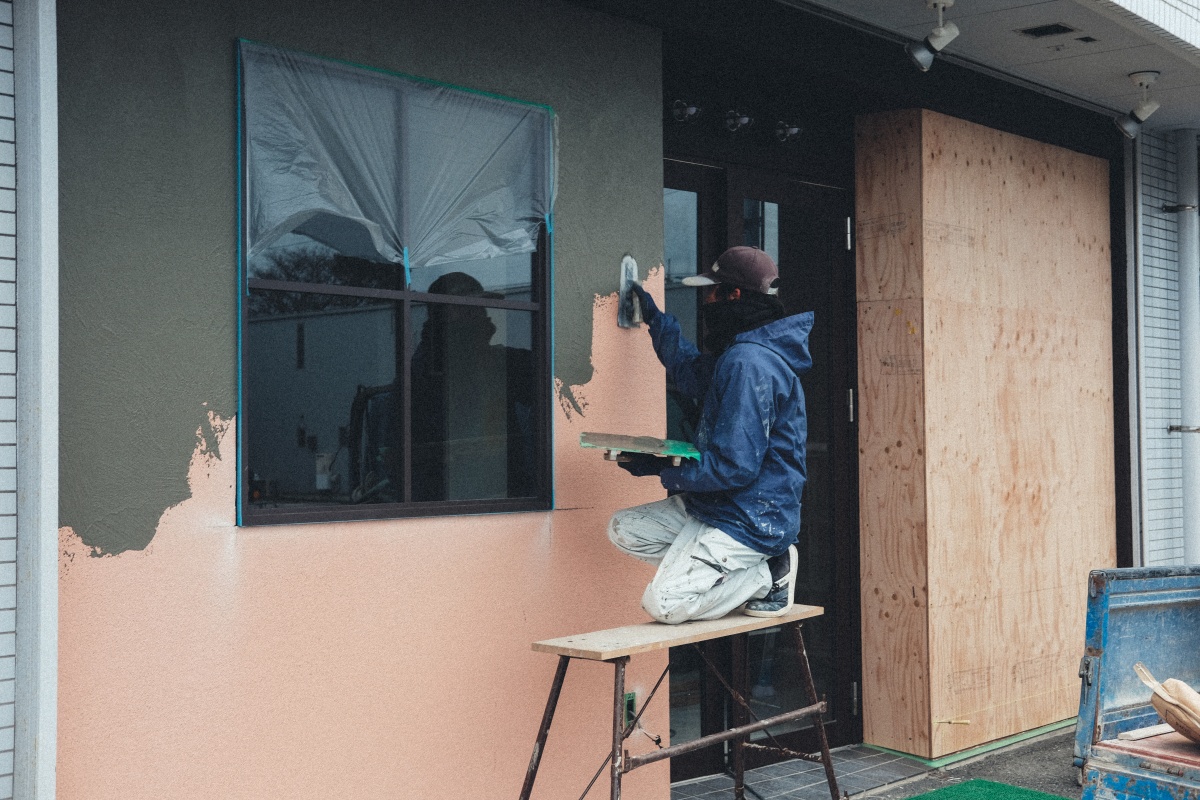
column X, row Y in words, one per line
column 783, row 589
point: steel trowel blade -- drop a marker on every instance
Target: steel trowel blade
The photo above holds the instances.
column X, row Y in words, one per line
column 629, row 311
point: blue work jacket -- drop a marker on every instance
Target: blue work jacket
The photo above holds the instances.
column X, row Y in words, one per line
column 752, row 431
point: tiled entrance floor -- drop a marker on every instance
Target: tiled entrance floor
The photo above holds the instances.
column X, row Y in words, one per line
column 858, row 768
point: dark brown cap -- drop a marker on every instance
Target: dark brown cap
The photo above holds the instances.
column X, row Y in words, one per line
column 745, row 267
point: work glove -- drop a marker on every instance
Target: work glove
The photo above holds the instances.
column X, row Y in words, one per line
column 649, row 309
column 640, row 465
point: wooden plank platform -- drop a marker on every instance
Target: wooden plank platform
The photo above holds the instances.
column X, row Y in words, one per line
column 616, row 642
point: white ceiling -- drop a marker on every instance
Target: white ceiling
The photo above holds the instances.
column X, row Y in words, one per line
column 1096, row 72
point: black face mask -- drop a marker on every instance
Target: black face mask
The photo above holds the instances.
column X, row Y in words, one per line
column 725, row 319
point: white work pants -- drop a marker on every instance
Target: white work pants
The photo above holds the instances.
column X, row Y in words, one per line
column 702, row 572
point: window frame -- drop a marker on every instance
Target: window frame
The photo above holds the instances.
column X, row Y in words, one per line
column 541, row 287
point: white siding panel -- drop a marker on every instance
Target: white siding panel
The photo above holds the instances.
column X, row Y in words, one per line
column 1162, row 492
column 8, row 381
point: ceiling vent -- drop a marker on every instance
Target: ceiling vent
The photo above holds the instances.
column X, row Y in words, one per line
column 1042, row 31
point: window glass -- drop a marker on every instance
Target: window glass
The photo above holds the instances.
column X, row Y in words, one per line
column 509, row 277
column 473, row 404
column 680, row 251
column 681, row 242
column 364, row 194
column 760, row 226
column 299, row 412
column 680, row 238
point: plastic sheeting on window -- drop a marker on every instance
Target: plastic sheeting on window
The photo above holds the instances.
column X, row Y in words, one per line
column 373, row 164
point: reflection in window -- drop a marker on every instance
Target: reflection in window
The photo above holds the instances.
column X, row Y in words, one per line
column 299, row 416
column 681, row 242
column 394, row 327
column 473, row 403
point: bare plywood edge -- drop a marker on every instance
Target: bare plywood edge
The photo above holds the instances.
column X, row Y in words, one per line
column 632, row 639
column 887, row 181
column 892, row 543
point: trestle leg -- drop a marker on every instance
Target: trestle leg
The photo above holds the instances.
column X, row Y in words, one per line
column 618, row 736
column 547, row 717
column 740, row 668
column 810, row 687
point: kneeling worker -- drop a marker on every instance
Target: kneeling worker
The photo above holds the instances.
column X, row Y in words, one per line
column 727, row 537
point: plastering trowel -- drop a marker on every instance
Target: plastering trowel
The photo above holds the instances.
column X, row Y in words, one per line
column 629, row 310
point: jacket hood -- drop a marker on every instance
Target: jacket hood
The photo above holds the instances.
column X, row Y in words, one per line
column 787, row 337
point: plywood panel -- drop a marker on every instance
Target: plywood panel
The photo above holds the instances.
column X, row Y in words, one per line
column 893, row 585
column 1019, row 422
column 1013, row 223
column 892, row 526
column 1015, row 386
column 1009, row 669
column 888, row 206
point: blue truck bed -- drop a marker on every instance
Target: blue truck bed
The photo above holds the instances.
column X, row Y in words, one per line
column 1150, row 615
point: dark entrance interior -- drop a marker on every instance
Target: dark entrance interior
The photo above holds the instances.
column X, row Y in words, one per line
column 784, row 67
column 708, row 207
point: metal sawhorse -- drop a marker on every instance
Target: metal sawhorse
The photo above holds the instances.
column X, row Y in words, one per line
column 616, row 645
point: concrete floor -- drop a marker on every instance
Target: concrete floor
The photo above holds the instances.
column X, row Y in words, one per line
column 1043, row 764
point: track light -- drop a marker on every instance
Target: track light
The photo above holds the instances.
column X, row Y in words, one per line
column 684, row 112
column 1131, row 124
column 735, row 120
column 786, row 132
column 922, row 53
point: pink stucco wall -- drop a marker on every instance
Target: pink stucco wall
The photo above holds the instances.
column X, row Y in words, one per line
column 366, row 659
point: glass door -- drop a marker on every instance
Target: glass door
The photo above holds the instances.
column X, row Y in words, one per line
column 693, row 235
column 803, row 227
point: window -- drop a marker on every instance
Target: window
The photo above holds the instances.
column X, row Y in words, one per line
column 394, row 323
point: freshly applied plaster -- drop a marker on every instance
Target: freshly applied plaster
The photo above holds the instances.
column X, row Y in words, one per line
column 365, row 659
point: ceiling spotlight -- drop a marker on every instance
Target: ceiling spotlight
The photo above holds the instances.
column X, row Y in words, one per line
column 922, row 53
column 1130, row 124
column 785, row 132
column 735, row 120
column 684, row 112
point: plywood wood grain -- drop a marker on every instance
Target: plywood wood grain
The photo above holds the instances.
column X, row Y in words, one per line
column 887, row 188
column 894, row 586
column 1016, row 436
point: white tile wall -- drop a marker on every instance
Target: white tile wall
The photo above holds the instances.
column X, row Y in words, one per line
column 8, row 406
column 1178, row 19
column 1162, row 496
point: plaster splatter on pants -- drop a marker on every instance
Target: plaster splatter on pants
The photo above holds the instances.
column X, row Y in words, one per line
column 702, row 572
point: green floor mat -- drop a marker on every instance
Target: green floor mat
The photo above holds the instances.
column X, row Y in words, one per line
column 985, row 790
